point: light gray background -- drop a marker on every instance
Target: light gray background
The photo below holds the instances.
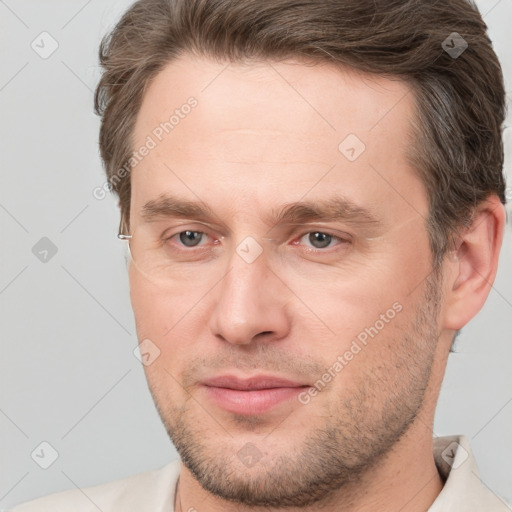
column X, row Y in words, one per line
column 68, row 373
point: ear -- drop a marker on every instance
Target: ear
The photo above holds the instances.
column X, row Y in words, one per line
column 472, row 265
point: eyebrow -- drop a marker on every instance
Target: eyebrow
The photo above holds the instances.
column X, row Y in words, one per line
column 332, row 209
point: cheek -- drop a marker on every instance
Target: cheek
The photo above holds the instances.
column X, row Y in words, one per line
column 381, row 357
column 170, row 318
column 154, row 319
column 158, row 309
column 349, row 306
column 146, row 303
column 156, row 312
column 365, row 315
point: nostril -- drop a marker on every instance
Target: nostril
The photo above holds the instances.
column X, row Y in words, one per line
column 264, row 333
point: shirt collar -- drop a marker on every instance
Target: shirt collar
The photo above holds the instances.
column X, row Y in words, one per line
column 463, row 489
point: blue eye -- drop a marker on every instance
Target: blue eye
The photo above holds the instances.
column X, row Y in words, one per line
column 321, row 240
column 311, row 241
column 190, row 238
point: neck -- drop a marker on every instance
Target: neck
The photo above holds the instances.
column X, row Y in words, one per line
column 405, row 479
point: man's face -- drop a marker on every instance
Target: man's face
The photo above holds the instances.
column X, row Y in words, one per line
column 248, row 292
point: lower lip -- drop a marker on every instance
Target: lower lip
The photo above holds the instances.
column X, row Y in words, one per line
column 251, row 402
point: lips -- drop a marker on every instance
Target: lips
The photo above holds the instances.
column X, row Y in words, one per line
column 253, row 395
column 251, row 383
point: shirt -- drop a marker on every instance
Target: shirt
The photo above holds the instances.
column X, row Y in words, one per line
column 154, row 491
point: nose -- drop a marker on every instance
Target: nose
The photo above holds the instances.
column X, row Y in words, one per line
column 250, row 303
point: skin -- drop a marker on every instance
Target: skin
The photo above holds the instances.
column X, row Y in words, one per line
column 264, row 135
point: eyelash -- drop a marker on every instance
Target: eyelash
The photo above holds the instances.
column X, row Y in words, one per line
column 342, row 241
column 331, row 248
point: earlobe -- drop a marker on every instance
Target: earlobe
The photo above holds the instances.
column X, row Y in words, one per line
column 473, row 264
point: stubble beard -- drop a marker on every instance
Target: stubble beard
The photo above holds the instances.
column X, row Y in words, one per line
column 357, row 433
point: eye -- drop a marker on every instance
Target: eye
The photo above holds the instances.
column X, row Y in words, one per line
column 190, row 238
column 321, row 240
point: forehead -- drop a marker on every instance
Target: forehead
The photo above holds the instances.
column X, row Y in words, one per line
column 266, row 93
column 279, row 125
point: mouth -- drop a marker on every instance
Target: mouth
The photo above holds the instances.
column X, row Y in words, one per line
column 249, row 396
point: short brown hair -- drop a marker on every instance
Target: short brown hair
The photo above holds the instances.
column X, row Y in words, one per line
column 458, row 148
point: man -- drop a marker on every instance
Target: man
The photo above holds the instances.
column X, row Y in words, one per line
column 312, row 194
